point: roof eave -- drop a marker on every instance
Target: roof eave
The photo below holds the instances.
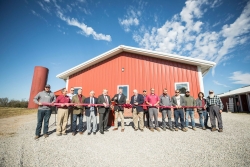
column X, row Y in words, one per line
column 121, row 48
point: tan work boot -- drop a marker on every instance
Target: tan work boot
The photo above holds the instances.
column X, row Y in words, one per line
column 176, row 129
column 158, row 129
column 213, row 129
column 36, row 137
column 194, row 128
column 220, row 130
column 45, row 135
column 184, row 129
column 151, row 129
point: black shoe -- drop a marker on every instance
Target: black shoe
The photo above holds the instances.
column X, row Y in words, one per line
column 94, row 133
column 89, row 133
column 102, row 132
column 106, row 130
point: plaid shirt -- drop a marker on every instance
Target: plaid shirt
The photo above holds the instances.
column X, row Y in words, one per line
column 214, row 101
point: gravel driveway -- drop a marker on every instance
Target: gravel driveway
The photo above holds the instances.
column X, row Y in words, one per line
column 165, row 148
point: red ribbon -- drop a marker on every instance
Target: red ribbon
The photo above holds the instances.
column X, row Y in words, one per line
column 128, row 106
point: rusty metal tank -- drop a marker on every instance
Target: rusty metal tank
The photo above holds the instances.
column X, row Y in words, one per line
column 39, row 81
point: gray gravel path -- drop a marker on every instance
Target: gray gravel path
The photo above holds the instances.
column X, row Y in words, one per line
column 165, row 148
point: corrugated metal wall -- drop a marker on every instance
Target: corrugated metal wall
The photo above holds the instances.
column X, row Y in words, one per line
column 140, row 72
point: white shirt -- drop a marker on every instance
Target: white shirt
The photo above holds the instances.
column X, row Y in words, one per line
column 178, row 100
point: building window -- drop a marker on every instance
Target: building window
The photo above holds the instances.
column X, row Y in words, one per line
column 182, row 87
column 125, row 89
column 76, row 90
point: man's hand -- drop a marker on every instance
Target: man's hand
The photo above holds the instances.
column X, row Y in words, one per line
column 136, row 103
column 40, row 104
column 89, row 105
column 62, row 105
column 220, row 111
column 52, row 104
column 105, row 105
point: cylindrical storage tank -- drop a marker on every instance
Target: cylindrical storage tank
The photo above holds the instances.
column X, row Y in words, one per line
column 39, row 81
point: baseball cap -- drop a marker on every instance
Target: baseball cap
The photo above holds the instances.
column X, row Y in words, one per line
column 144, row 91
column 211, row 91
column 47, row 86
column 187, row 91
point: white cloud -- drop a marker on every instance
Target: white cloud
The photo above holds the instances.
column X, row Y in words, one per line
column 131, row 19
column 187, row 35
column 240, row 78
column 47, row 1
column 234, row 32
column 87, row 31
column 220, row 84
column 82, row 1
column 38, row 15
column 45, row 8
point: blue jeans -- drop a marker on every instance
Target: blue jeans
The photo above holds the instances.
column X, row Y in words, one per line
column 190, row 112
column 80, row 125
column 42, row 115
column 178, row 113
column 202, row 114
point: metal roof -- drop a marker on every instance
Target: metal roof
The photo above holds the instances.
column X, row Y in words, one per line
column 243, row 90
column 205, row 65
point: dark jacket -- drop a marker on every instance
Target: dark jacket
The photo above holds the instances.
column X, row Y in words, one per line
column 140, row 100
column 101, row 100
column 120, row 101
column 87, row 109
column 174, row 101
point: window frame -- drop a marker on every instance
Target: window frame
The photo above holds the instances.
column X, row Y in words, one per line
column 176, row 83
column 127, row 89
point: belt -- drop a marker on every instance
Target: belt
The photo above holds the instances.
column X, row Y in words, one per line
column 213, row 105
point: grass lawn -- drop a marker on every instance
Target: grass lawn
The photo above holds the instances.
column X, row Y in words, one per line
column 6, row 112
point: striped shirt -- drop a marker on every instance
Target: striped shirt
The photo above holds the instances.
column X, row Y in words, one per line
column 214, row 101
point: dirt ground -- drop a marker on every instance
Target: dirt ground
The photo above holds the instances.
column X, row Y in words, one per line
column 9, row 126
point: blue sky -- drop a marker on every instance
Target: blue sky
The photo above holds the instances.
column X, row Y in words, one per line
column 61, row 34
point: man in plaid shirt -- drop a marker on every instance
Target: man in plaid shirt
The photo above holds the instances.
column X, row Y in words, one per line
column 215, row 109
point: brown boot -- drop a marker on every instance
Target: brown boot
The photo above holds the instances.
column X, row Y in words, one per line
column 36, row 137
column 184, row 129
column 220, row 130
column 213, row 129
column 115, row 129
column 151, row 129
column 158, row 129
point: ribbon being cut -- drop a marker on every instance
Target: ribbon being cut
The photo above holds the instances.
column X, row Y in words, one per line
column 128, row 106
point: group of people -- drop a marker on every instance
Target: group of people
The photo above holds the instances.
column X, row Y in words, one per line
column 143, row 106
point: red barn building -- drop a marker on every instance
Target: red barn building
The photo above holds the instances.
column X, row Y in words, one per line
column 133, row 68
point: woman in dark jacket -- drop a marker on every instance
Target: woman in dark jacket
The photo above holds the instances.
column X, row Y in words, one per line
column 201, row 104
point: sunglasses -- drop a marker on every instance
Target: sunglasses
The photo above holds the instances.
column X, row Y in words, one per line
column 144, row 91
column 177, row 92
column 72, row 90
column 47, row 87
